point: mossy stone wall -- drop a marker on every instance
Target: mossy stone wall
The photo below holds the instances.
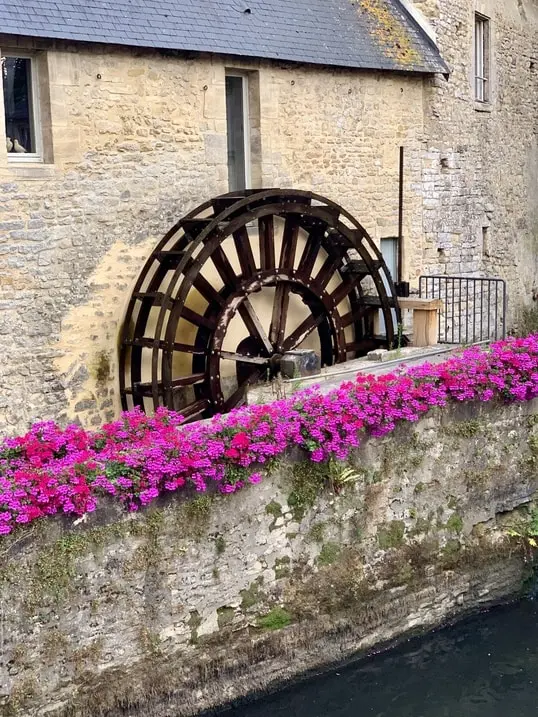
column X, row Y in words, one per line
column 198, row 601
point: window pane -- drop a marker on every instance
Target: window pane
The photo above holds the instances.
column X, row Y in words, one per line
column 235, row 120
column 481, row 58
column 18, row 105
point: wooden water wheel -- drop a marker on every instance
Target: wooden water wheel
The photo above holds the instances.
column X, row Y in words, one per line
column 240, row 281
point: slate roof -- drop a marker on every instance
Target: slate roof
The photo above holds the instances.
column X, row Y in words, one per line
column 369, row 34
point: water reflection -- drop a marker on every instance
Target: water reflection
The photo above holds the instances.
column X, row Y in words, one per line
column 483, row 667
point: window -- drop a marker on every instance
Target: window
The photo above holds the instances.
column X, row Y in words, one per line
column 237, row 124
column 23, row 140
column 482, row 58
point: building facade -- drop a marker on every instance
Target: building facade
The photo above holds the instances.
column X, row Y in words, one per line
column 108, row 142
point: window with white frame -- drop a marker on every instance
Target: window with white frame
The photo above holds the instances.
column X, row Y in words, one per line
column 21, row 107
column 482, row 58
column 237, row 125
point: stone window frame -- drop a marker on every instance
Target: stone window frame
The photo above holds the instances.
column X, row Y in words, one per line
column 245, row 79
column 35, row 106
column 484, row 56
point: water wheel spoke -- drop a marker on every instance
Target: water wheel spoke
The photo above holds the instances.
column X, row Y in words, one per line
column 353, row 316
column 197, row 319
column 266, row 229
column 280, row 314
column 223, row 266
column 238, row 395
column 302, row 332
column 254, row 325
column 210, row 294
column 146, row 389
column 289, row 242
column 244, row 252
column 327, row 271
column 194, row 409
column 310, row 254
column 150, row 343
column 345, row 289
column 243, row 358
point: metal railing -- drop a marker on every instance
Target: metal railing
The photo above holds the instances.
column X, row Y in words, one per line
column 474, row 307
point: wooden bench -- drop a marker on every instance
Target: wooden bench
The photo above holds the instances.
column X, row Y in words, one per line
column 425, row 319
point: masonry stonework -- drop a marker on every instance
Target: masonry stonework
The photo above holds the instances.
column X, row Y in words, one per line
column 136, row 138
column 186, row 605
column 480, row 164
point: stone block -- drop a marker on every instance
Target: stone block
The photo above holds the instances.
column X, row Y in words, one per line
column 301, row 362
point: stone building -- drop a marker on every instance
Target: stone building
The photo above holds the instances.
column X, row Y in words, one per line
column 121, row 118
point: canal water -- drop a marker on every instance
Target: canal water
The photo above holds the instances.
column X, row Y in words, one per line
column 486, row 666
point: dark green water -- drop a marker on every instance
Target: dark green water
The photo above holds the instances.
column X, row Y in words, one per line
column 486, row 666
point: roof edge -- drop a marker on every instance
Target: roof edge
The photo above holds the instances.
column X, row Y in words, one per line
column 417, row 17
column 416, row 71
column 420, row 18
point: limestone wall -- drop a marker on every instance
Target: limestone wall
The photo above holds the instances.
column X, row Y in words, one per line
column 137, row 140
column 187, row 605
column 480, row 171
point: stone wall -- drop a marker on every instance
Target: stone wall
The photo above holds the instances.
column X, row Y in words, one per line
column 480, row 172
column 189, row 604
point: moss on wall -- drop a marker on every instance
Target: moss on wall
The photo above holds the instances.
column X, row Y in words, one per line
column 223, row 587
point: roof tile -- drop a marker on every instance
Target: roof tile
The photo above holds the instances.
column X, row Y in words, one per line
column 369, row 34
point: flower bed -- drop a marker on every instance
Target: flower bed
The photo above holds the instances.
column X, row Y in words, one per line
column 52, row 470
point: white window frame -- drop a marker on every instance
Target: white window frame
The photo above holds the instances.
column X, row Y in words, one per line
column 482, row 58
column 36, row 156
column 246, row 122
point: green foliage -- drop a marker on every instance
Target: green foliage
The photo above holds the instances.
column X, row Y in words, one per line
column 308, row 481
column 465, row 429
column 194, row 516
column 391, row 535
column 422, row 525
column 342, row 475
column 277, row 619
column 455, row 523
column 55, row 570
column 252, row 595
column 274, row 508
column 282, row 567
column 316, row 532
column 329, row 553
column 526, row 531
column 225, row 616
column 451, row 554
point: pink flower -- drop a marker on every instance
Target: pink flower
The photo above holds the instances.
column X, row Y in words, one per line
column 135, row 459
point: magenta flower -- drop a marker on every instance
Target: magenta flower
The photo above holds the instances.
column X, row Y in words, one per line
column 135, row 459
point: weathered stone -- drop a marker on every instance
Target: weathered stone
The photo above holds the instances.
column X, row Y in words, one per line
column 183, row 606
column 301, row 362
